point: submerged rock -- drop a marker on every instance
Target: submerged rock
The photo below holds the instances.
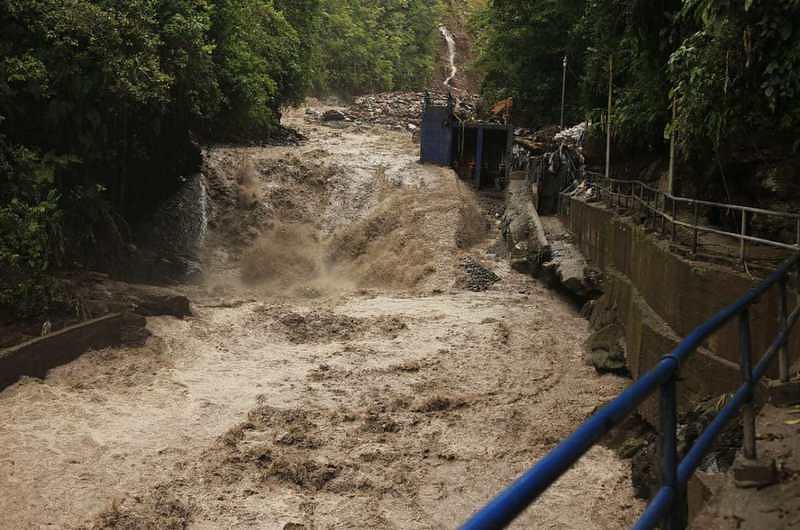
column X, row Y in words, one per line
column 333, row 115
column 606, row 348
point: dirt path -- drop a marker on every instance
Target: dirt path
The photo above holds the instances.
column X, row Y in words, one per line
column 351, row 395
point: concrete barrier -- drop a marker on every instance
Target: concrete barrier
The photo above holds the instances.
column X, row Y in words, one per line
column 659, row 297
column 36, row 357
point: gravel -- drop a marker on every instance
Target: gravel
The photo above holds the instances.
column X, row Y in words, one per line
column 479, row 278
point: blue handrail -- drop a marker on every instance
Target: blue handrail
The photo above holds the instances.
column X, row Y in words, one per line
column 669, row 503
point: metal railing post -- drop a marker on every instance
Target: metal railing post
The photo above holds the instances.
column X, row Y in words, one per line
column 675, row 519
column 631, row 197
column 744, row 233
column 659, row 220
column 674, row 219
column 797, row 240
column 612, row 194
column 745, row 365
column 783, row 324
column 669, row 506
column 639, row 200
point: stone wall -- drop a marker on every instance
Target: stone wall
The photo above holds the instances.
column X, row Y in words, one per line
column 659, row 296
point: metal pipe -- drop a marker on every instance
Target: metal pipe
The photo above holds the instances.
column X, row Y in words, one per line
column 766, row 360
column 671, row 177
column 744, row 233
column 737, row 207
column 674, row 219
column 514, row 499
column 703, row 442
column 668, row 412
column 783, row 355
column 745, row 366
column 655, row 511
column 797, row 240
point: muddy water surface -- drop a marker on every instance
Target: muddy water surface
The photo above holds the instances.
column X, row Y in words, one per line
column 333, row 376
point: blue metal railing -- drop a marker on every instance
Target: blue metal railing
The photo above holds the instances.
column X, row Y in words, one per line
column 669, row 504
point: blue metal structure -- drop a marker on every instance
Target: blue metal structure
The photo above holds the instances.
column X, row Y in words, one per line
column 436, row 136
column 669, row 504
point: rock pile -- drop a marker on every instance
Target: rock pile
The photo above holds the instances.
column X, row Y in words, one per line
column 401, row 109
column 479, row 278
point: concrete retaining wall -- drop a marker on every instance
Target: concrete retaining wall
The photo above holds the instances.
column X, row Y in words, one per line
column 35, row 357
column 659, row 297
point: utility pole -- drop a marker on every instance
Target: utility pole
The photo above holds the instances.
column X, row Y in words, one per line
column 563, row 91
column 608, row 117
column 673, row 134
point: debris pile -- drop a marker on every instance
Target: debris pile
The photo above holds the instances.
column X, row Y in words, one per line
column 479, row 278
column 585, row 191
column 537, row 141
column 401, row 109
column 572, row 136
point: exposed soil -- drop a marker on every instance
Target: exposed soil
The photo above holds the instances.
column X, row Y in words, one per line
column 337, row 372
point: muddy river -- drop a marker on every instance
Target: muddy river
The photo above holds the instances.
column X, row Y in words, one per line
column 337, row 373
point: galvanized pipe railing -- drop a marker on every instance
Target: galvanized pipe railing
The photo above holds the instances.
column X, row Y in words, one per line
column 669, row 504
column 654, row 201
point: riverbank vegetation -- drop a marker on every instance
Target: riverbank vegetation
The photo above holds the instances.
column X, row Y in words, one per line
column 732, row 68
column 103, row 106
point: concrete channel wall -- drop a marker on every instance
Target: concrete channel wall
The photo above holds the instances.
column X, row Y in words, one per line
column 658, row 297
column 36, row 357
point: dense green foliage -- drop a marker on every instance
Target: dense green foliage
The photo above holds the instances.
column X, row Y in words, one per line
column 103, row 104
column 375, row 45
column 521, row 47
column 732, row 66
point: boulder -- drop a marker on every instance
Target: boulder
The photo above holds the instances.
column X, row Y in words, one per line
column 522, row 228
column 606, row 348
column 333, row 115
column 97, row 295
column 148, row 300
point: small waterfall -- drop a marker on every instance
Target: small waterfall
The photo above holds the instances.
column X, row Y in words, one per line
column 203, row 207
column 451, row 49
column 173, row 238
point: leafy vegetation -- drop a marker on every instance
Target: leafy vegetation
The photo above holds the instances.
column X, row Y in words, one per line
column 521, row 48
column 731, row 66
column 375, row 46
column 103, row 104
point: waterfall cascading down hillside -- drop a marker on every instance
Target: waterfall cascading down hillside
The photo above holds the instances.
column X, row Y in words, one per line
column 451, row 51
column 173, row 237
